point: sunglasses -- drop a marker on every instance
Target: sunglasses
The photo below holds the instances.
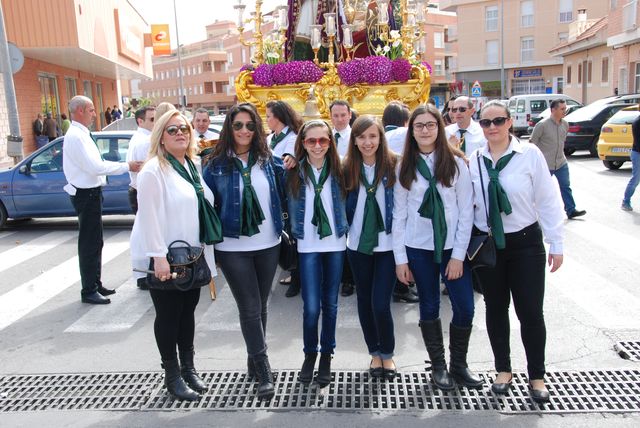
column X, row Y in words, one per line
column 497, row 121
column 311, row 142
column 419, row 126
column 173, row 129
column 237, row 126
column 459, row 109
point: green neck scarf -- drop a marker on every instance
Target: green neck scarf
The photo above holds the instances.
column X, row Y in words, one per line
column 462, row 139
column 498, row 200
column 319, row 219
column 251, row 214
column 278, row 137
column 372, row 222
column 432, row 207
column 210, row 226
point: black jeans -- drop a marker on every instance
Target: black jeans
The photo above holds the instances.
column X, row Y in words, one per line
column 88, row 206
column 519, row 272
column 175, row 321
column 250, row 276
column 133, row 199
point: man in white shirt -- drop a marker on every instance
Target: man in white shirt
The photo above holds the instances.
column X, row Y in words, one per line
column 340, row 113
column 201, row 124
column 139, row 148
column 465, row 133
column 86, row 172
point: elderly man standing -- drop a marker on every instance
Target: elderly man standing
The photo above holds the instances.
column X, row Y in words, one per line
column 86, row 172
column 549, row 135
column 465, row 134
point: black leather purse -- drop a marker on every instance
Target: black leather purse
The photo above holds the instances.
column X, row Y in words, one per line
column 482, row 247
column 189, row 265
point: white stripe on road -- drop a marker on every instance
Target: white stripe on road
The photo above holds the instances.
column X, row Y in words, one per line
column 6, row 234
column 34, row 248
column 28, row 296
column 622, row 245
column 127, row 307
column 222, row 314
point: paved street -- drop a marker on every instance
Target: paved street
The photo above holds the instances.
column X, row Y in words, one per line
column 591, row 303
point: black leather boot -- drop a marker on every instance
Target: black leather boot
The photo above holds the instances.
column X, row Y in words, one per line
column 324, row 370
column 265, row 377
column 251, row 368
column 458, row 347
column 432, row 336
column 189, row 374
column 174, row 382
column 309, row 364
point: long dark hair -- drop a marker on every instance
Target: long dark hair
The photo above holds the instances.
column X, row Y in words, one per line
column 445, row 167
column 225, row 146
column 332, row 159
column 285, row 114
column 352, row 164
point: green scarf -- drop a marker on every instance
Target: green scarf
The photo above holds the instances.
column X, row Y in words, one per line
column 498, row 200
column 319, row 219
column 462, row 139
column 372, row 222
column 432, row 207
column 277, row 138
column 251, row 214
column 210, row 226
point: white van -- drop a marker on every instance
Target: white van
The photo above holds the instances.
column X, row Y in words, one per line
column 525, row 107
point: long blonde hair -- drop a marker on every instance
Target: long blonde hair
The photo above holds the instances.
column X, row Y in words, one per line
column 157, row 148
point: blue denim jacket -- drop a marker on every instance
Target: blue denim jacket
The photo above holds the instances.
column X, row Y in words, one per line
column 352, row 202
column 224, row 181
column 297, row 209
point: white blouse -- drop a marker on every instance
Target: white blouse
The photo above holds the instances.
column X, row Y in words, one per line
column 167, row 211
column 533, row 194
column 355, row 230
column 412, row 230
column 287, row 145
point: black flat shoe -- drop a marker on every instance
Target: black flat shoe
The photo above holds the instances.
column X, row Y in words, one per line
column 95, row 298
column 405, row 296
column 502, row 388
column 576, row 213
column 347, row 289
column 106, row 291
column 539, row 395
column 375, row 372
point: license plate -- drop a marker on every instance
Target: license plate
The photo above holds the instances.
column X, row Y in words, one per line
column 621, row 150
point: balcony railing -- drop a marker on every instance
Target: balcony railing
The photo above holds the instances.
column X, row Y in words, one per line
column 629, row 15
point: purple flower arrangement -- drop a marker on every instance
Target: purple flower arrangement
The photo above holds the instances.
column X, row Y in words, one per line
column 374, row 70
column 287, row 73
column 400, row 70
column 263, row 75
column 351, row 72
column 246, row 67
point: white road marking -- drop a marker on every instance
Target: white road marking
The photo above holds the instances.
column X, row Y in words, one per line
column 6, row 234
column 33, row 248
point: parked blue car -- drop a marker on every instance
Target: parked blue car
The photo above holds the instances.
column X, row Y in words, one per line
column 34, row 187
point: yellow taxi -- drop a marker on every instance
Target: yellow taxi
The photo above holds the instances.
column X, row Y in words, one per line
column 616, row 138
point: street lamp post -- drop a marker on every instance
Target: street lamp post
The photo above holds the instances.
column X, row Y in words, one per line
column 182, row 99
column 502, row 83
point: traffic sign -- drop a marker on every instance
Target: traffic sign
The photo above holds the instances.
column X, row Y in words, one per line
column 476, row 89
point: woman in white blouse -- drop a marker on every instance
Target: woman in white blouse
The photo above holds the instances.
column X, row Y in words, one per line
column 170, row 209
column 518, row 202
column 432, row 221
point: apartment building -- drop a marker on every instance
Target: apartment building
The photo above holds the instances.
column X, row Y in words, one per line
column 531, row 29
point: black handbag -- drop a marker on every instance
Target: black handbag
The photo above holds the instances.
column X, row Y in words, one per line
column 189, row 265
column 482, row 247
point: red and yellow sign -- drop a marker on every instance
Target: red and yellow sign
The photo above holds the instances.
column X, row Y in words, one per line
column 160, row 39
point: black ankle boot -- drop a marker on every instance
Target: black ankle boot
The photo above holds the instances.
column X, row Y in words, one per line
column 265, row 377
column 251, row 368
column 458, row 347
column 324, row 370
column 432, row 336
column 309, row 364
column 189, row 374
column 174, row 382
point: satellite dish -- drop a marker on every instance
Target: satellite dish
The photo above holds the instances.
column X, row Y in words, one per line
column 16, row 58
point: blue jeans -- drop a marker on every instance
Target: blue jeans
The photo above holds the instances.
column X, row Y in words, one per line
column 375, row 277
column 319, row 284
column 562, row 175
column 635, row 177
column 427, row 276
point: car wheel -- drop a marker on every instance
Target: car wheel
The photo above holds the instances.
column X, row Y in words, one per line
column 3, row 216
column 613, row 164
column 569, row 152
column 593, row 150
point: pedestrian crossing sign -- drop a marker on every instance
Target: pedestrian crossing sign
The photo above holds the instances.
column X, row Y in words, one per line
column 476, row 91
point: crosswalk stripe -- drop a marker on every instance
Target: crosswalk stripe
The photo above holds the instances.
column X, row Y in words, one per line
column 625, row 245
column 6, row 234
column 222, row 314
column 33, row 248
column 127, row 307
column 28, row 296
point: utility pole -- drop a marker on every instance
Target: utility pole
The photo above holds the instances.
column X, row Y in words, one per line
column 502, row 82
column 14, row 140
column 182, row 99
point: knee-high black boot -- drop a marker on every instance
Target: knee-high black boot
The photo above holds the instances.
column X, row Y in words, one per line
column 458, row 347
column 189, row 374
column 174, row 382
column 432, row 336
column 266, row 389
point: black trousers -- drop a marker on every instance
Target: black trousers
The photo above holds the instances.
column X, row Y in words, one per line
column 175, row 321
column 519, row 273
column 133, row 199
column 250, row 276
column 88, row 206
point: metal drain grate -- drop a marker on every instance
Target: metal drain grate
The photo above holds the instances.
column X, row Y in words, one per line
column 571, row 392
column 628, row 350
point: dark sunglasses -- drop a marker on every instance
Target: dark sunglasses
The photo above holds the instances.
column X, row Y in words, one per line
column 251, row 126
column 173, row 129
column 497, row 121
column 311, row 142
column 459, row 109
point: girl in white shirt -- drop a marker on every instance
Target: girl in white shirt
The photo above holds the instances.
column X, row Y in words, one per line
column 432, row 221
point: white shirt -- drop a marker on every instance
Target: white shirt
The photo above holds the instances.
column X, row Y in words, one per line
column 287, row 145
column 167, row 211
column 312, row 242
column 138, row 150
column 412, row 230
column 267, row 236
column 208, row 135
column 533, row 194
column 343, row 142
column 474, row 137
column 396, row 139
column 355, row 230
column 83, row 166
